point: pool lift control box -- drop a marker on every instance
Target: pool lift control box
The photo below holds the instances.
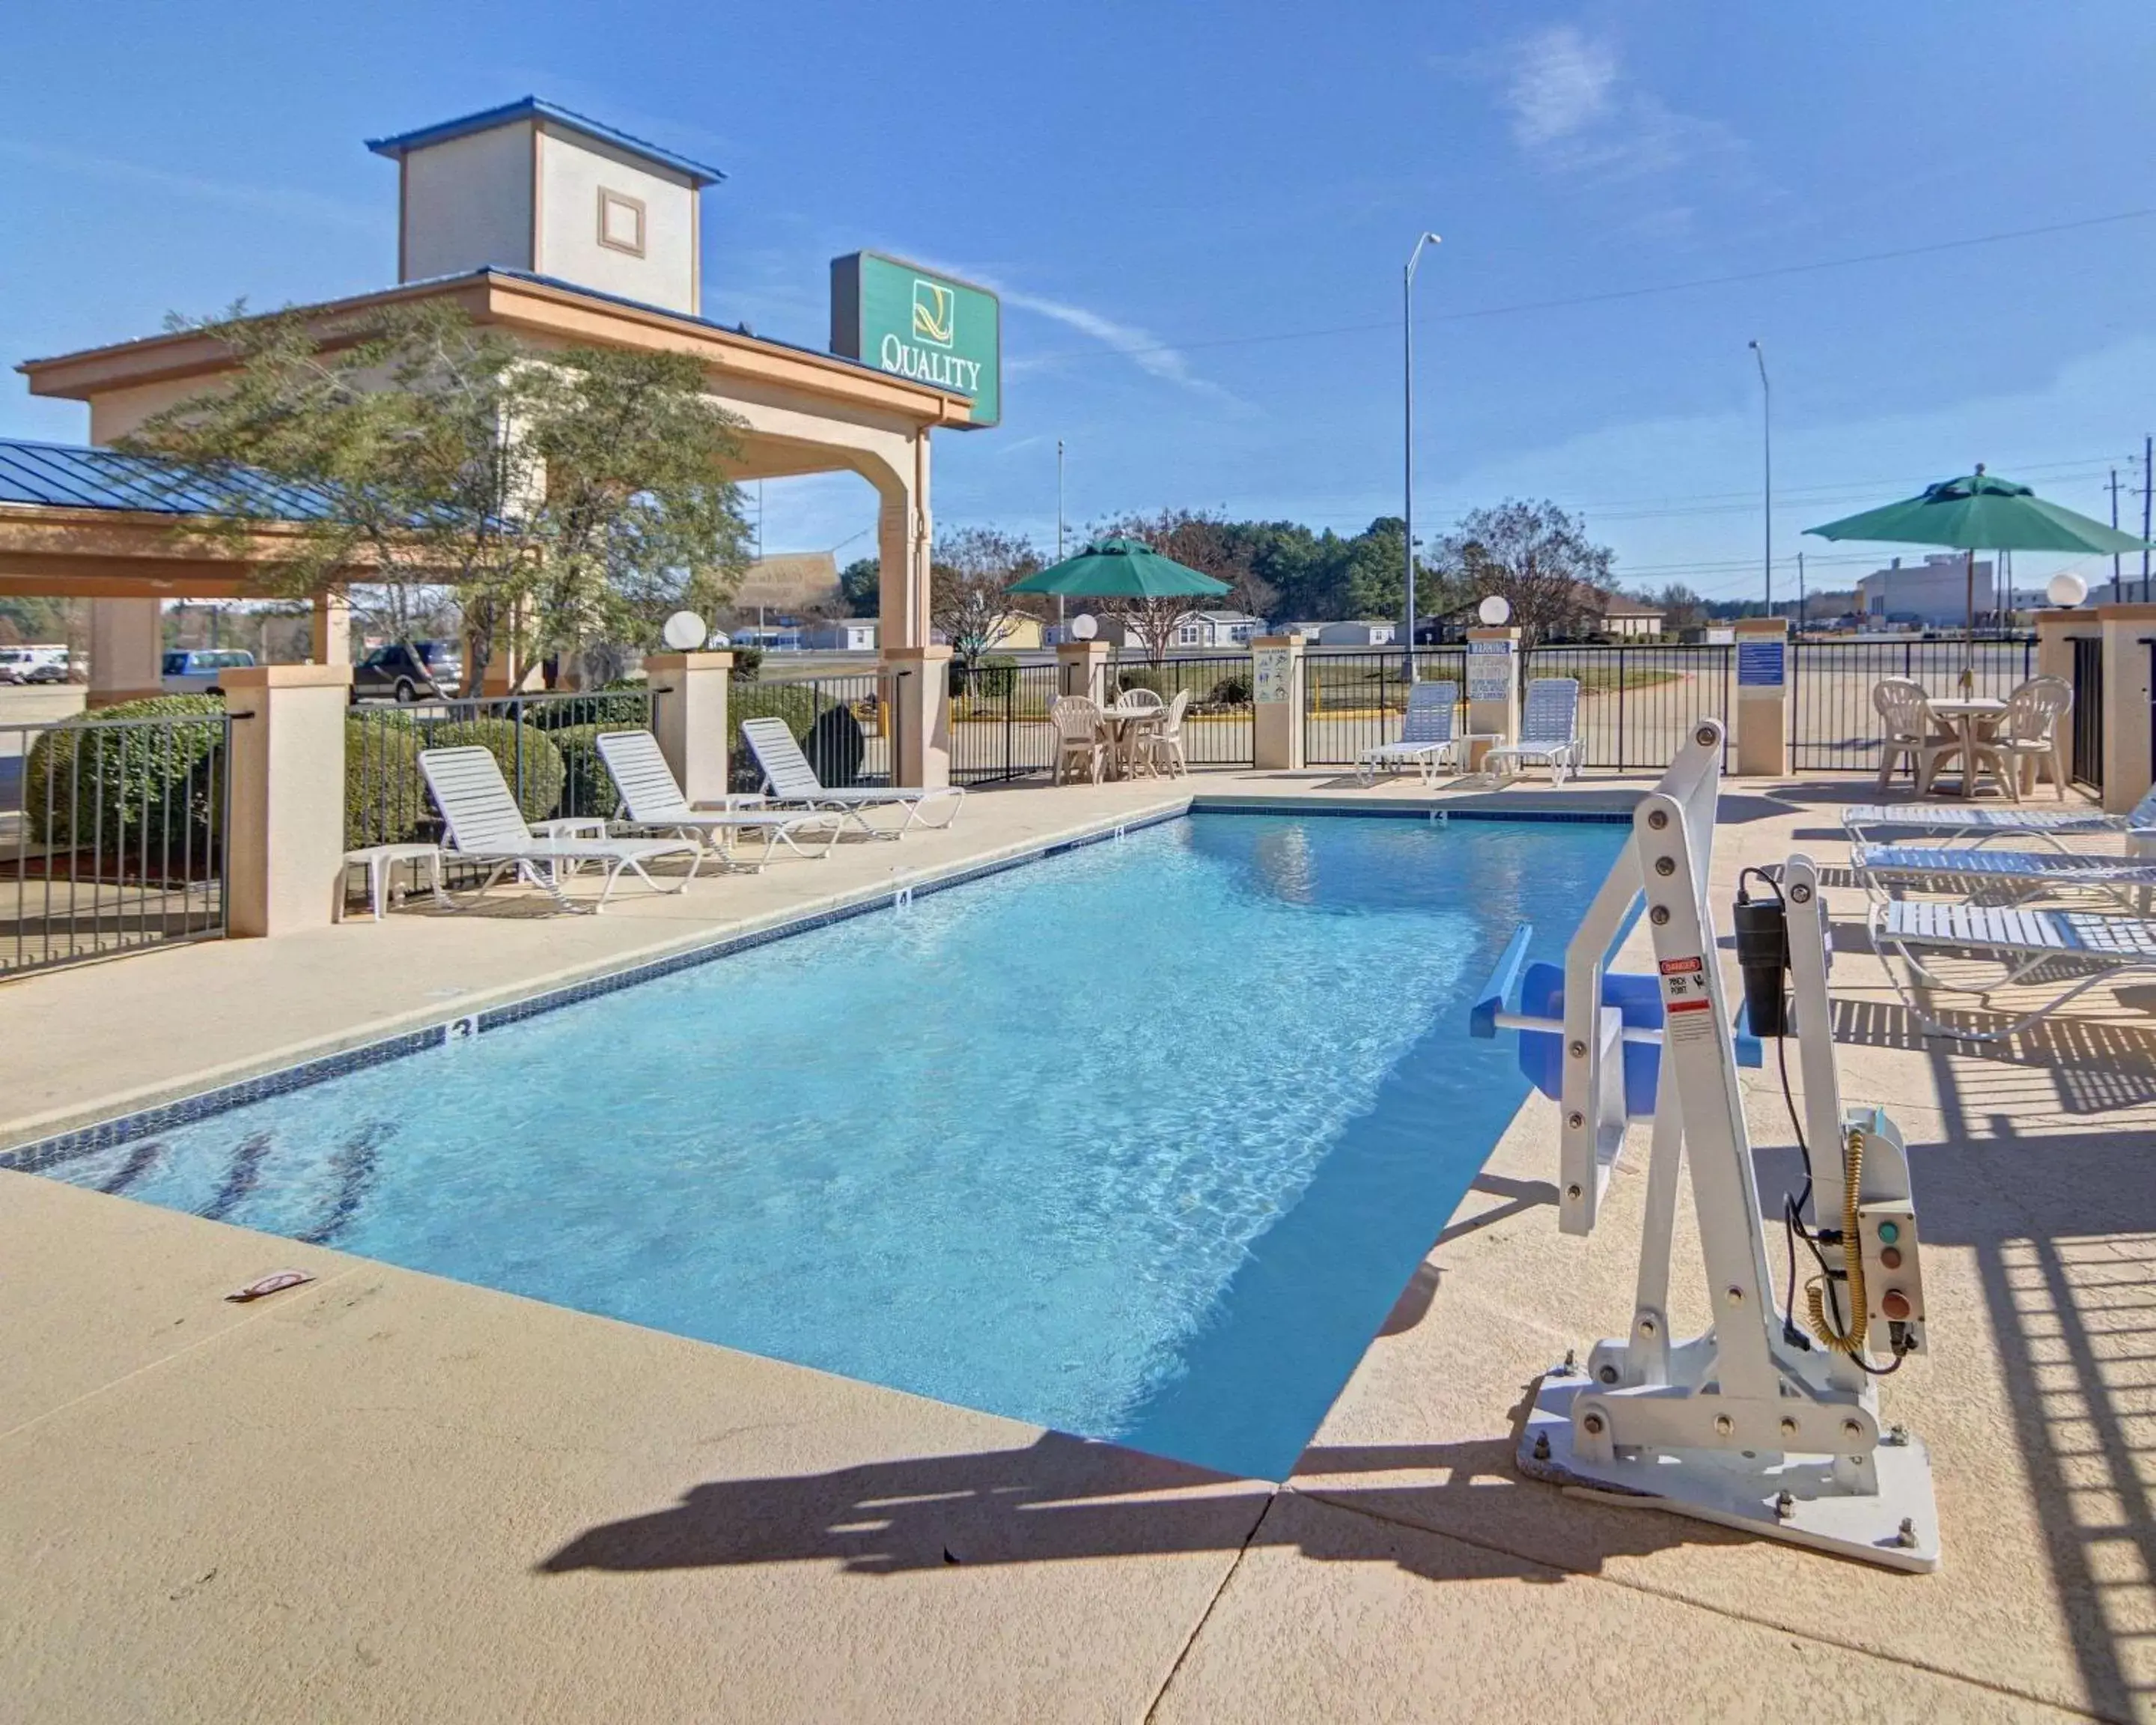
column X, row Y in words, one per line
column 1755, row 1423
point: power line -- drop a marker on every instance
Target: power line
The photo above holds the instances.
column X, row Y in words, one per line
column 1613, row 295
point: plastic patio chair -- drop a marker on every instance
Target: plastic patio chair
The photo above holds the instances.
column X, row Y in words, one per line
column 1076, row 719
column 2033, row 732
column 1914, row 734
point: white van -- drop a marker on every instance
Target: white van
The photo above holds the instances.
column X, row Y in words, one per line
column 196, row 670
column 33, row 664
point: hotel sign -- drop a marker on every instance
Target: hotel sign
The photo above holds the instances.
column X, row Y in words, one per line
column 914, row 323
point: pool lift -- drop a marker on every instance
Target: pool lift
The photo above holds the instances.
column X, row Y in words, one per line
column 1756, row 1422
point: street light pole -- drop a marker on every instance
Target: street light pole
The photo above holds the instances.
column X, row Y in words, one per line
column 1407, row 336
column 1058, row 526
column 1767, row 448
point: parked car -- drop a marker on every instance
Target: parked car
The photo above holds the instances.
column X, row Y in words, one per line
column 407, row 671
column 33, row 664
column 195, row 671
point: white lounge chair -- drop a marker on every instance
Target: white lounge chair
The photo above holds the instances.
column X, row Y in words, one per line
column 787, row 777
column 653, row 799
column 2022, row 942
column 1427, row 740
column 1549, row 730
column 1982, row 823
column 486, row 826
column 2023, row 875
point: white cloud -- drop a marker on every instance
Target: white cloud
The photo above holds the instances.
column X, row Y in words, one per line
column 1575, row 111
column 268, row 200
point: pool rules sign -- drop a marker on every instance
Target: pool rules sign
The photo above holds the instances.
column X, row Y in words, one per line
column 916, row 324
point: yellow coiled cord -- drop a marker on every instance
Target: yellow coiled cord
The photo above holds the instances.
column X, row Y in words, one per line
column 1851, row 1340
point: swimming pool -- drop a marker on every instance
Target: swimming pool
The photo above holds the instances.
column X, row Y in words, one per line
column 1141, row 1141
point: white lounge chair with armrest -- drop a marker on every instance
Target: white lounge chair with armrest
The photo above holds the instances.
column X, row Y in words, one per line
column 1427, row 740
column 486, row 826
column 1549, row 730
column 1978, row 871
column 652, row 798
column 1977, row 821
column 2098, row 947
column 787, row 777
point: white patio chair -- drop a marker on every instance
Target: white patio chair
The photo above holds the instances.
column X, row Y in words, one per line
column 2021, row 942
column 1549, row 730
column 1427, row 740
column 788, row 778
column 1914, row 735
column 486, row 826
column 1079, row 744
column 653, row 799
column 2033, row 732
column 1164, row 741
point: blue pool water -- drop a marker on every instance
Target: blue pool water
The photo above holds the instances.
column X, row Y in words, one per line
column 1141, row 1141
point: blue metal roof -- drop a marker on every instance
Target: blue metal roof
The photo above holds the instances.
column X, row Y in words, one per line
column 68, row 476
column 532, row 108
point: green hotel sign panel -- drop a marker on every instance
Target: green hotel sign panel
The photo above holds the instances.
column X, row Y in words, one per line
column 896, row 317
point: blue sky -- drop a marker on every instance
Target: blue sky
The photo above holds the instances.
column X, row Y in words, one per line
column 1196, row 217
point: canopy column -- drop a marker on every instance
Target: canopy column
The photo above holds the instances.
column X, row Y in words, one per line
column 332, row 642
column 126, row 650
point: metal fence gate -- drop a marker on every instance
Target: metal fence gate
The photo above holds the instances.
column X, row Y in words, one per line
column 112, row 836
column 2087, row 762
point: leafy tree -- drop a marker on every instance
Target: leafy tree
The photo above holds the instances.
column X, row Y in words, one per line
column 586, row 486
column 1534, row 556
column 970, row 573
column 1682, row 608
column 1208, row 543
column 860, row 587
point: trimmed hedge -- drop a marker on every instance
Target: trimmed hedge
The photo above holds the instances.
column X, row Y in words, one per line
column 828, row 733
column 113, row 787
column 385, row 795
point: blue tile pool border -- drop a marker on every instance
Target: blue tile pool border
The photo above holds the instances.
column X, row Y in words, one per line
column 43, row 1153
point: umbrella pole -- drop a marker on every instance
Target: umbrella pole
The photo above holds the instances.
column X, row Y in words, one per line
column 1968, row 631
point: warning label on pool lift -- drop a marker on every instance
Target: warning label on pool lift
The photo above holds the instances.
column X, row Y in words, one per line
column 1684, row 996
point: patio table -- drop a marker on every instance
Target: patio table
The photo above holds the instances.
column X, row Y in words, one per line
column 1120, row 726
column 1972, row 717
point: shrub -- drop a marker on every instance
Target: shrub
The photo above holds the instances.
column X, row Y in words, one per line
column 1230, row 691
column 503, row 739
column 748, row 664
column 114, row 785
column 995, row 678
column 587, row 789
column 385, row 799
column 618, row 707
column 1144, row 677
column 828, row 733
column 835, row 746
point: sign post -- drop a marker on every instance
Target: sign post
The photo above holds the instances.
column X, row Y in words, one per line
column 1762, row 697
column 914, row 323
column 1277, row 702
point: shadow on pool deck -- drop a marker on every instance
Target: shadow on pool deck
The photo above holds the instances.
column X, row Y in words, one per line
column 1034, row 1505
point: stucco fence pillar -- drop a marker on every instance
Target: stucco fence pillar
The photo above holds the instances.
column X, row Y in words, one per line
column 284, row 857
column 1762, row 697
column 1493, row 690
column 689, row 717
column 1277, row 702
column 914, row 685
column 2125, row 631
column 1081, row 669
column 126, row 650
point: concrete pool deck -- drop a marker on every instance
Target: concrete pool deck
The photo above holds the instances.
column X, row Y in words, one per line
column 387, row 1496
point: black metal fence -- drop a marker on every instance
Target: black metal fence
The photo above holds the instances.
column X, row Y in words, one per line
column 1354, row 701
column 1833, row 725
column 1219, row 727
column 838, row 722
column 1637, row 704
column 2087, row 753
column 112, row 836
column 999, row 721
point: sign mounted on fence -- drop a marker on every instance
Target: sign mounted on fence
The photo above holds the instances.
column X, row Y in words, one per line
column 1761, row 668
column 1272, row 675
column 1490, row 671
column 900, row 318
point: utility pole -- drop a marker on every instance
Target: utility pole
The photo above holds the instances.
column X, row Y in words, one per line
column 2148, row 474
column 1800, row 593
column 2113, row 489
column 1406, row 355
column 1767, row 452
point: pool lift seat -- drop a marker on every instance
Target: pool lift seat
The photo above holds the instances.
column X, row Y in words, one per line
column 1748, row 1424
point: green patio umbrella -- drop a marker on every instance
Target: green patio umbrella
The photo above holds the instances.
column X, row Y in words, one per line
column 1120, row 569
column 1980, row 513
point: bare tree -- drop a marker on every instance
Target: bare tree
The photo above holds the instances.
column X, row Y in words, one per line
column 1536, row 557
column 970, row 572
